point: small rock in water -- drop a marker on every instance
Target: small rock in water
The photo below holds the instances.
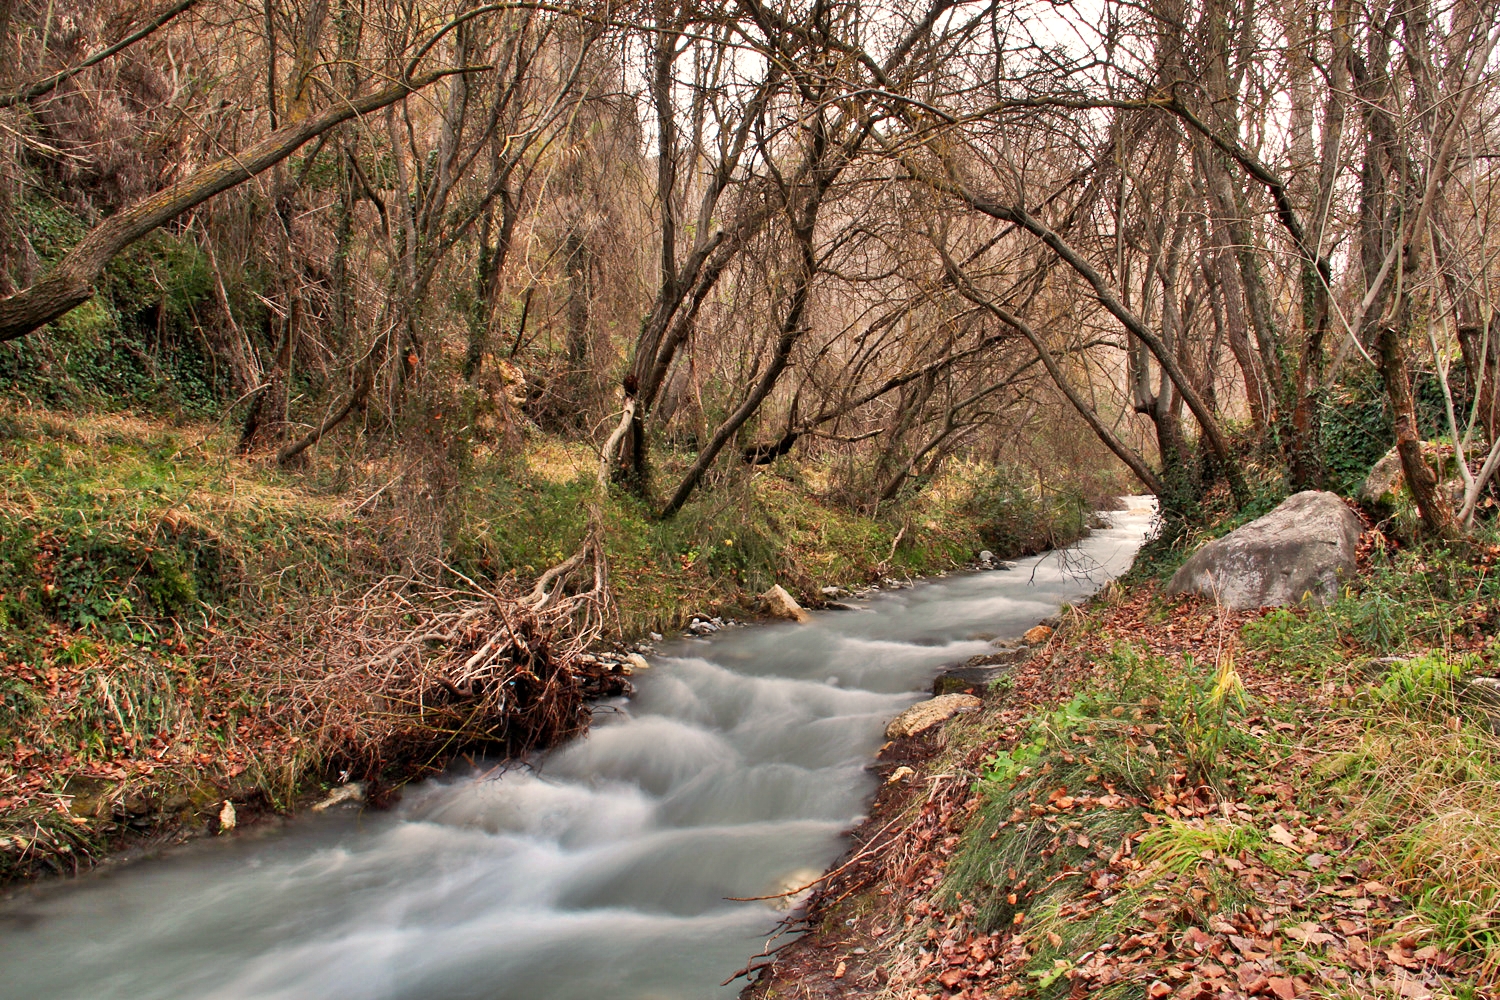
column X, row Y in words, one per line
column 352, row 792
column 970, row 678
column 986, row 556
column 655, row 636
column 635, row 661
column 780, row 604
column 226, row 817
column 795, row 888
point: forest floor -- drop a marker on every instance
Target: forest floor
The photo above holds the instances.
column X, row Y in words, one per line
column 167, row 606
column 1171, row 800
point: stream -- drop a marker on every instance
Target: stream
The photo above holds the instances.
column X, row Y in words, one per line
column 599, row 872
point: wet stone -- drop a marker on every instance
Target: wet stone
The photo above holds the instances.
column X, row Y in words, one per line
column 924, row 715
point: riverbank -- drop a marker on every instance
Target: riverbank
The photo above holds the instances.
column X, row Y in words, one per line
column 1173, row 800
column 182, row 627
column 631, row 863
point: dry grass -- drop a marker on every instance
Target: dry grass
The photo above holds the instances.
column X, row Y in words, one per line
column 560, row 462
column 1428, row 793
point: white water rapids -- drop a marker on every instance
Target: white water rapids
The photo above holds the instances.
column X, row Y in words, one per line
column 601, row 873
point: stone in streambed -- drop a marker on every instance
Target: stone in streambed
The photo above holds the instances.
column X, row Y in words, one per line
column 780, row 604
column 980, row 672
column 1006, row 651
column 926, row 714
column 354, row 791
column 1302, row 550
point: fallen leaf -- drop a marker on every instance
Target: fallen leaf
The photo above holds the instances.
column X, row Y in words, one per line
column 1410, row 987
column 1252, row 980
column 1283, row 988
column 1282, row 835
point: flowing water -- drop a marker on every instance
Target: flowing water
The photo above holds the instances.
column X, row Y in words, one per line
column 601, row 872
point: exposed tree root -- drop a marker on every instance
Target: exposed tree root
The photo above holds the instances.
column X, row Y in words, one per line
column 415, row 672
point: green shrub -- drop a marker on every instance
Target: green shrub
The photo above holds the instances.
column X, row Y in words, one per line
column 136, row 343
column 1013, row 516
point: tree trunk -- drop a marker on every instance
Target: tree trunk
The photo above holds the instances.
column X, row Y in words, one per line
column 70, row 282
column 1206, row 420
column 1124, row 452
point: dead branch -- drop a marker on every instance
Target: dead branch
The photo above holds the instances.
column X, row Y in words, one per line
column 413, row 672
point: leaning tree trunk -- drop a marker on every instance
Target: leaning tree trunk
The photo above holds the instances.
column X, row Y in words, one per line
column 70, row 282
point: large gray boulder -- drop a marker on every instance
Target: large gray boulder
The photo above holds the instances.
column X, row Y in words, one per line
column 1300, row 551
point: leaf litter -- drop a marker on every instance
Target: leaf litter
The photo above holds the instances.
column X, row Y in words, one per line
column 1245, row 876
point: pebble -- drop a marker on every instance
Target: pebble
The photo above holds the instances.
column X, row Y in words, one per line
column 352, row 792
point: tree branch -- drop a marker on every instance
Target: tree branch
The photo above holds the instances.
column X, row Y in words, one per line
column 70, row 282
column 48, row 84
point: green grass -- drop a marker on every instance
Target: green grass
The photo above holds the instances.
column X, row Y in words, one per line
column 1013, row 853
column 1025, row 857
column 750, row 531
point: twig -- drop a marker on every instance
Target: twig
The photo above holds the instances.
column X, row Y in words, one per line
column 866, row 852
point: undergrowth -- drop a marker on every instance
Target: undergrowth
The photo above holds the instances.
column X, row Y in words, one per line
column 1322, row 755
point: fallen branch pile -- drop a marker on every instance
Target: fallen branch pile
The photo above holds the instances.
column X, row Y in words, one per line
column 414, row 672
